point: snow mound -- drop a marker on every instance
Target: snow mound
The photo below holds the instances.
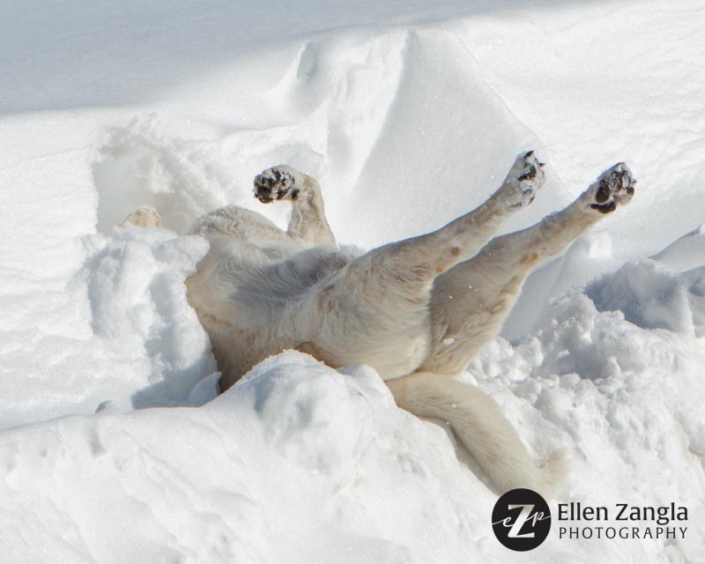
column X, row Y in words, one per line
column 666, row 291
column 295, row 462
column 139, row 164
column 652, row 295
column 624, row 401
column 686, row 253
column 313, row 416
column 138, row 310
column 357, row 106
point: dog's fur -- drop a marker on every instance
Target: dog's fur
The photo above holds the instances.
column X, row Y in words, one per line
column 417, row 310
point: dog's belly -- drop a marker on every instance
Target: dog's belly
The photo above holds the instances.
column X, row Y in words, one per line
column 254, row 307
column 397, row 356
column 391, row 351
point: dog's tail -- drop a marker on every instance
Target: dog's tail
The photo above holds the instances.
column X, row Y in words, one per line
column 481, row 427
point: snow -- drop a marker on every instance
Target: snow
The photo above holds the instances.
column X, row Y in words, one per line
column 113, row 444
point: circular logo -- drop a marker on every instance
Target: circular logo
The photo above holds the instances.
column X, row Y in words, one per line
column 521, row 520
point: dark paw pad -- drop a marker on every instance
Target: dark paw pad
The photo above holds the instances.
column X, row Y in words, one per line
column 615, row 187
column 605, row 208
column 274, row 184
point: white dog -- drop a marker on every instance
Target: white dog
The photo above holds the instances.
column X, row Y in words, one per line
column 417, row 310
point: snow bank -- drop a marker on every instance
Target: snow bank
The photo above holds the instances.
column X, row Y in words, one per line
column 613, row 374
column 297, row 463
column 651, row 295
column 356, row 106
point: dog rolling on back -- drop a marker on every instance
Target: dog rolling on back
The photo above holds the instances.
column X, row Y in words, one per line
column 417, row 310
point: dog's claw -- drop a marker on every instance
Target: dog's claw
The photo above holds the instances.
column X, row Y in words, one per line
column 524, row 179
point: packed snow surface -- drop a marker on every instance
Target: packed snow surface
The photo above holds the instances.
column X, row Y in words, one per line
column 114, row 446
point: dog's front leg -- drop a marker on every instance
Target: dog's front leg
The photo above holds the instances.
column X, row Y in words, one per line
column 308, row 219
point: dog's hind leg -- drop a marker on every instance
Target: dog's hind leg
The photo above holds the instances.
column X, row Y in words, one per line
column 308, row 219
column 470, row 301
column 375, row 310
column 416, row 262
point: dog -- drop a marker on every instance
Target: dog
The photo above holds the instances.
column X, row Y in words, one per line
column 417, row 310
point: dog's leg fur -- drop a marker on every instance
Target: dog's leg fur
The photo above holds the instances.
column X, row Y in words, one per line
column 412, row 265
column 469, row 304
column 308, row 220
column 429, row 255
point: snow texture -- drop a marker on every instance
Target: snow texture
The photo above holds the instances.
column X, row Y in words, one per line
column 114, row 446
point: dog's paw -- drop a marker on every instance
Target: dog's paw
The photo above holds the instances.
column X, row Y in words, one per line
column 525, row 178
column 146, row 216
column 276, row 183
column 614, row 187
